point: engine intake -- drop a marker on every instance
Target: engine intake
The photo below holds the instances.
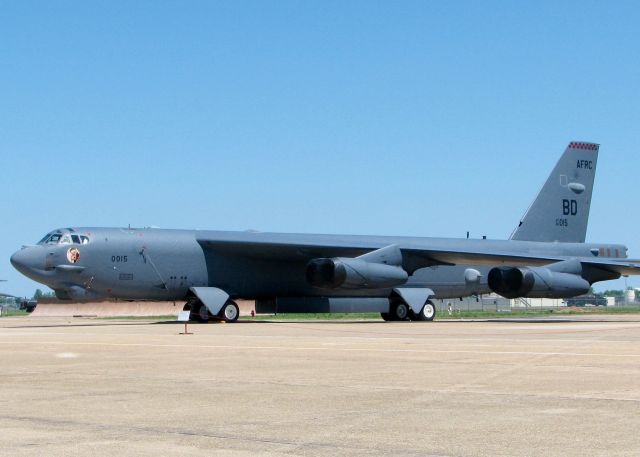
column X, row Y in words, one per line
column 536, row 282
column 349, row 273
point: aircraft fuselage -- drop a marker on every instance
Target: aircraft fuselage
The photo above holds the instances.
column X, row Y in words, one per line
column 157, row 264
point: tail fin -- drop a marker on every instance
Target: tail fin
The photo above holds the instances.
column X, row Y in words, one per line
column 560, row 212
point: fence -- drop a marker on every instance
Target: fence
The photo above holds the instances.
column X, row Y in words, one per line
column 496, row 303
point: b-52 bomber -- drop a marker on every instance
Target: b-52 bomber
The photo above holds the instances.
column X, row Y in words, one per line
column 546, row 256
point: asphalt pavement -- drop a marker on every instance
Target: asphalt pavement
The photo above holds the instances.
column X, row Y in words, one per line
column 566, row 387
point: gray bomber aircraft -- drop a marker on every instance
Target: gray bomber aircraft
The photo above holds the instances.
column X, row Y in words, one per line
column 546, row 256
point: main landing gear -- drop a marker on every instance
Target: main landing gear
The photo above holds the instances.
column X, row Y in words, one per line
column 199, row 312
column 399, row 310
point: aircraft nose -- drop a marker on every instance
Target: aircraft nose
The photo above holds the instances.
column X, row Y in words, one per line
column 27, row 259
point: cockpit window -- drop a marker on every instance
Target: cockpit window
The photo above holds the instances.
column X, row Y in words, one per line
column 44, row 238
column 54, row 238
column 64, row 238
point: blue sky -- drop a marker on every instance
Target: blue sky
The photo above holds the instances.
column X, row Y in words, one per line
column 399, row 118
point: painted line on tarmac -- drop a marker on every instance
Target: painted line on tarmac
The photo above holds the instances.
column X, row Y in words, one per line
column 443, row 339
column 328, row 348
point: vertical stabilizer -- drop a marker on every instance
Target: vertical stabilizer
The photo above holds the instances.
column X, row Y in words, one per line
column 560, row 212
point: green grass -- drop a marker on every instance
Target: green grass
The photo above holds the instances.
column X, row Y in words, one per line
column 11, row 313
column 314, row 316
column 441, row 315
column 139, row 318
column 266, row 317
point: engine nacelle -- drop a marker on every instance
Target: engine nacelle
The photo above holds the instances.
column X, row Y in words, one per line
column 536, row 282
column 350, row 273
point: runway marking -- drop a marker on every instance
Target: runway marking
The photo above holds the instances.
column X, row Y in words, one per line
column 67, row 355
column 327, row 348
column 440, row 338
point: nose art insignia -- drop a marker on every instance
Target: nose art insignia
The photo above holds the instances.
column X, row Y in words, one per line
column 73, row 255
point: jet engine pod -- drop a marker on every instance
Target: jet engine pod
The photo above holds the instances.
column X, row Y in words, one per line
column 535, row 282
column 510, row 282
column 349, row 273
column 325, row 273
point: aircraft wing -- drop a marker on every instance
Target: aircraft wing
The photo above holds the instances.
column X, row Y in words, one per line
column 413, row 257
column 466, row 257
column 624, row 267
column 283, row 251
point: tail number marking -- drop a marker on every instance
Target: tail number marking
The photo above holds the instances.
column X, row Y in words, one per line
column 569, row 207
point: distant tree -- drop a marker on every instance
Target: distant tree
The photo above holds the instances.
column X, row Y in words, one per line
column 613, row 293
column 40, row 294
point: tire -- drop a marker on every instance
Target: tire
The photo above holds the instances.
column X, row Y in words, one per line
column 229, row 312
column 203, row 314
column 193, row 306
column 385, row 316
column 399, row 311
column 427, row 313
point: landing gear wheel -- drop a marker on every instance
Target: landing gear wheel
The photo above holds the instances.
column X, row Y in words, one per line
column 203, row 313
column 193, row 305
column 427, row 313
column 399, row 311
column 229, row 312
column 385, row 316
